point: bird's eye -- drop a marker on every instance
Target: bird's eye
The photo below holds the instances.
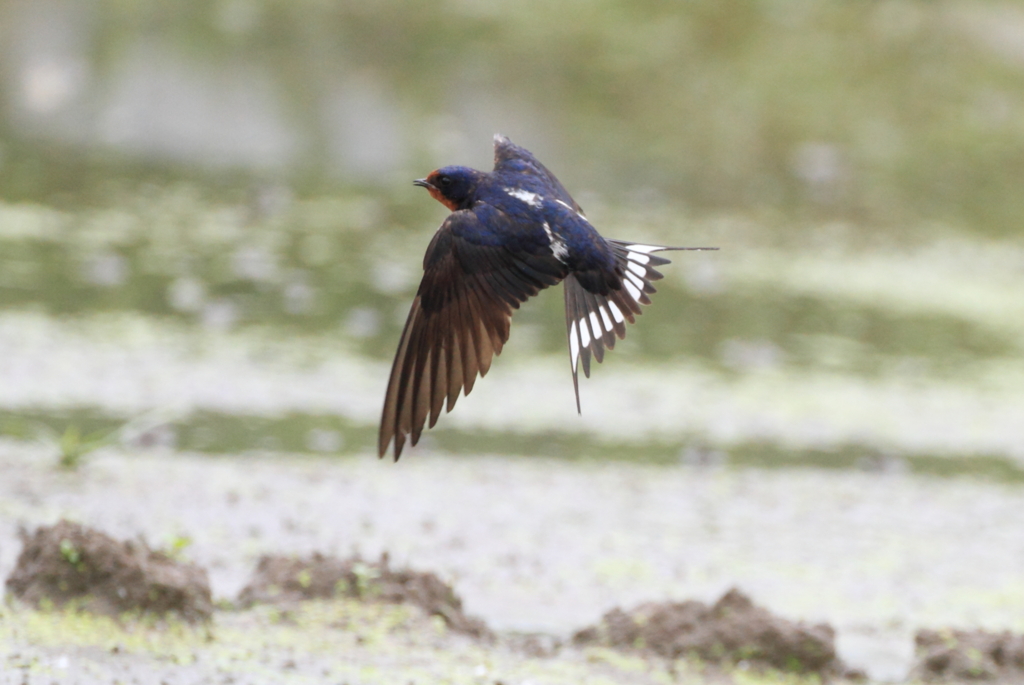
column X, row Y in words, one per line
column 445, row 181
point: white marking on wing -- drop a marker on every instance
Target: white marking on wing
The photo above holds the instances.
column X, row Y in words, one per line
column 569, row 207
column 638, row 257
column 644, row 248
column 633, row 291
column 616, row 312
column 604, row 317
column 574, row 344
column 557, row 244
column 637, row 269
column 584, row 333
column 532, row 199
column 595, row 323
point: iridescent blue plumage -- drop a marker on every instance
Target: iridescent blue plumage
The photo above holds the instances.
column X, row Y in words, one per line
column 512, row 232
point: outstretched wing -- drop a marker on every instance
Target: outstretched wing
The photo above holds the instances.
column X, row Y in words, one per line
column 509, row 157
column 458, row 321
column 594, row 319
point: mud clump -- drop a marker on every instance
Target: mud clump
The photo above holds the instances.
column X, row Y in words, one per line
column 733, row 630
column 959, row 655
column 285, row 580
column 71, row 565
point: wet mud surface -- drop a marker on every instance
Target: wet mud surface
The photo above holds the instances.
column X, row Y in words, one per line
column 71, row 564
column 84, row 571
column 975, row 656
column 80, row 570
column 287, row 580
column 538, row 549
column 732, row 630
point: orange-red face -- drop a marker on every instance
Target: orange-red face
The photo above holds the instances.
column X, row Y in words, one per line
column 453, row 186
column 437, row 184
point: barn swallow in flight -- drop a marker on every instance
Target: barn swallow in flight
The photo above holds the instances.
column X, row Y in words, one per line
column 512, row 232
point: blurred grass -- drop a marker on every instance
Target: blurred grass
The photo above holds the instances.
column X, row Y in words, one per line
column 297, row 433
column 347, row 265
column 857, row 163
column 886, row 113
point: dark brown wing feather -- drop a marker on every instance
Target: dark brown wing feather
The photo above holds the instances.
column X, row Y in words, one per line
column 458, row 321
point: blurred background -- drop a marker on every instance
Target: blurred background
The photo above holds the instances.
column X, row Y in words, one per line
column 209, row 241
column 206, row 210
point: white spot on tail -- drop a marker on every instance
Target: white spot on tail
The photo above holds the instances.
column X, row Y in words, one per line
column 632, row 278
column 638, row 257
column 644, row 248
column 616, row 312
column 633, row 291
column 557, row 244
column 574, row 344
column 637, row 269
column 532, row 199
column 584, row 333
column 604, row 317
column 595, row 323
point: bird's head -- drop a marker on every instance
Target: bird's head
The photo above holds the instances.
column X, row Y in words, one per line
column 452, row 186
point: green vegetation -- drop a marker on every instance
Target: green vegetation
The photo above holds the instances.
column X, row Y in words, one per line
column 71, row 445
column 217, row 433
column 337, row 640
column 884, row 113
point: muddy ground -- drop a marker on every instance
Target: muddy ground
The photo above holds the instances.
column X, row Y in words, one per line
column 537, row 549
column 71, row 574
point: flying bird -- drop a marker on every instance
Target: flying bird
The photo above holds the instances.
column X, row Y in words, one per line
column 512, row 232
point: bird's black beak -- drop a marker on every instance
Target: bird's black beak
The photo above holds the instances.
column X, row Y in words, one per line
column 423, row 182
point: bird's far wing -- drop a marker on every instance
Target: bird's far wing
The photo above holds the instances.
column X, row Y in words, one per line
column 594, row 319
column 510, row 157
column 458, row 322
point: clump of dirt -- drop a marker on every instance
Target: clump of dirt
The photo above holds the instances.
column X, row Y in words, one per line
column 732, row 631
column 284, row 580
column 70, row 564
column 955, row 655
